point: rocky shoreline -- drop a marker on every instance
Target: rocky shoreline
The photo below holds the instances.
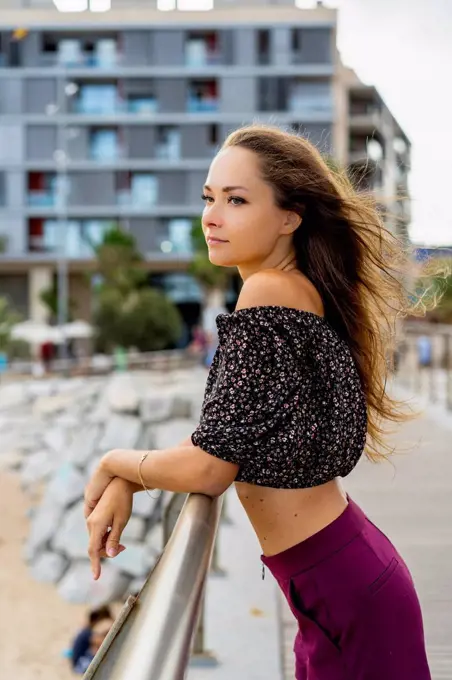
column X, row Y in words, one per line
column 52, row 433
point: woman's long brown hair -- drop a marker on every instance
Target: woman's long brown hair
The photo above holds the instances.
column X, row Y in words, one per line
column 343, row 247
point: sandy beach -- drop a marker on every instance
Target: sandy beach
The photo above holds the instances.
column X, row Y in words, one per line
column 36, row 625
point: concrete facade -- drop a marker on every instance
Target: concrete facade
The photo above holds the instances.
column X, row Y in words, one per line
column 122, row 112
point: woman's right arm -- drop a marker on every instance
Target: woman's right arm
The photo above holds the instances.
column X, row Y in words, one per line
column 135, row 488
column 109, row 518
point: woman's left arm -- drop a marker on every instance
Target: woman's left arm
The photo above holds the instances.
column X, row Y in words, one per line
column 183, row 469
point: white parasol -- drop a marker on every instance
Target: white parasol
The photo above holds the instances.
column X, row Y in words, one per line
column 77, row 330
column 36, row 333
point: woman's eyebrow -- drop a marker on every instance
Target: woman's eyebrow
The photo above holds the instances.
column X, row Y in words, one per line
column 226, row 190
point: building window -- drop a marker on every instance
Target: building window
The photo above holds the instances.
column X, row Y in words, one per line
column 177, row 239
column 76, row 238
column 263, row 46
column 137, row 103
column 80, row 50
column 182, row 288
column 137, row 189
column 296, row 41
column 202, row 49
column 98, row 99
column 49, row 43
column 169, row 143
column 310, row 97
column 202, row 96
column 104, row 144
column 213, row 135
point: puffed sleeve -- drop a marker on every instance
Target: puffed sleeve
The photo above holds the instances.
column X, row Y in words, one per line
column 253, row 394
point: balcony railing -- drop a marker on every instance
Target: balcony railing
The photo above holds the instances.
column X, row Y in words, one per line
column 106, row 107
column 42, row 199
column 134, row 200
column 202, row 105
column 152, row 636
column 203, row 57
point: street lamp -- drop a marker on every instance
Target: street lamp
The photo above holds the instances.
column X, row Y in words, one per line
column 61, row 157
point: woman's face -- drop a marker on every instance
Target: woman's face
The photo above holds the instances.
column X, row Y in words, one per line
column 242, row 224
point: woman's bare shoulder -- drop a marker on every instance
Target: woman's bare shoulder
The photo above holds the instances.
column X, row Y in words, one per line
column 272, row 287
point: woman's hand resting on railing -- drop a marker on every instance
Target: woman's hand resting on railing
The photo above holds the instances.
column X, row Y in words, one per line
column 120, row 473
column 106, row 521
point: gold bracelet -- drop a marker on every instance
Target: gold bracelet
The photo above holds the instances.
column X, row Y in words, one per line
column 143, row 458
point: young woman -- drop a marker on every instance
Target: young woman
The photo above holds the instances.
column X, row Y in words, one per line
column 295, row 394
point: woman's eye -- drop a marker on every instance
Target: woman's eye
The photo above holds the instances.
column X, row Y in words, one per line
column 206, row 199
column 236, row 200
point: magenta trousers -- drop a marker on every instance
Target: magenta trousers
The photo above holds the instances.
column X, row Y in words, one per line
column 357, row 610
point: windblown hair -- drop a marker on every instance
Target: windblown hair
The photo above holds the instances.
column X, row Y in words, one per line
column 342, row 246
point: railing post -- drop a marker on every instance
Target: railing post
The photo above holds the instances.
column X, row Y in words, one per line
column 448, row 366
column 433, row 386
column 199, row 653
column 153, row 637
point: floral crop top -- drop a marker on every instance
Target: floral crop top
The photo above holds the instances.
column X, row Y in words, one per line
column 283, row 399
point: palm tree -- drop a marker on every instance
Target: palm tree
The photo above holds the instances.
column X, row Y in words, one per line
column 8, row 318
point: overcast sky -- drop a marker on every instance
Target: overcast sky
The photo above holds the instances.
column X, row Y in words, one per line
column 404, row 48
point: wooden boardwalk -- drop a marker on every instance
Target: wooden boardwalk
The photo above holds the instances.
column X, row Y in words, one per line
column 412, row 503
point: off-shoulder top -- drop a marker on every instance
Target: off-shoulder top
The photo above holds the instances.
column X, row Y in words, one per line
column 283, row 399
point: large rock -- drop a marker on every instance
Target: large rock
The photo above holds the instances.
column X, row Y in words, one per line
column 156, row 408
column 170, row 434
column 79, row 587
column 66, row 486
column 144, row 505
column 136, row 585
column 146, row 439
column 48, row 406
column 65, row 428
column 44, row 525
column 155, row 539
column 122, row 395
column 42, row 388
column 100, row 412
column 49, row 567
column 84, row 445
column 121, row 432
column 37, row 466
column 12, row 395
column 12, row 460
column 182, row 406
column 71, row 538
column 57, row 439
column 136, row 561
column 134, row 531
column 20, row 437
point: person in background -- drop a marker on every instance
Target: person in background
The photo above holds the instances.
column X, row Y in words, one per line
column 99, row 632
column 47, row 355
column 81, row 644
column 424, row 350
column 199, row 344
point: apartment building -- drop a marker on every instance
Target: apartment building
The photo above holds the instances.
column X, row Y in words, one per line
column 113, row 118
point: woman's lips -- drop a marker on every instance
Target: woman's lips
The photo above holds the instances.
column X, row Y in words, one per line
column 211, row 241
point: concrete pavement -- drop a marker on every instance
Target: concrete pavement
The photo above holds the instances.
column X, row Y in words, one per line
column 241, row 622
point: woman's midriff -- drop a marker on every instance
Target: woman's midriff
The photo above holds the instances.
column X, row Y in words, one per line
column 282, row 518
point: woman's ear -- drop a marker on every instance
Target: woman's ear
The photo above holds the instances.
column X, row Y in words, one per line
column 292, row 222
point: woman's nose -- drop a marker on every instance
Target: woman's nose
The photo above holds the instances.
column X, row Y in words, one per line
column 212, row 217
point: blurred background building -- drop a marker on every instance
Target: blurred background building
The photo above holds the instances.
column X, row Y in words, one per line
column 114, row 118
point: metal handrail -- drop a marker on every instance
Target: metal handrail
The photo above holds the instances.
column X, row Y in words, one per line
column 153, row 635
